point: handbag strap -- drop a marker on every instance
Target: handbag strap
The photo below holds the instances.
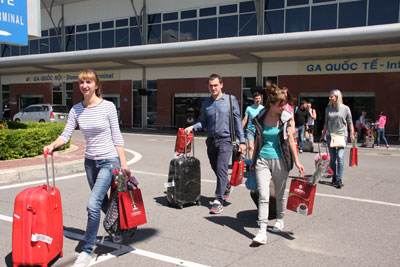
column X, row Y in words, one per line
column 232, row 123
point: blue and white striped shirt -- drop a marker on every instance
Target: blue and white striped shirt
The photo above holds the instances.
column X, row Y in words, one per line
column 99, row 125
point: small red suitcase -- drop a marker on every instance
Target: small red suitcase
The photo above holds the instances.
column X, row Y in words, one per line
column 37, row 236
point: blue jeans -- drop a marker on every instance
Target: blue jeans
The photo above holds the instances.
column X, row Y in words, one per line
column 336, row 154
column 99, row 175
column 219, row 153
column 381, row 132
column 300, row 135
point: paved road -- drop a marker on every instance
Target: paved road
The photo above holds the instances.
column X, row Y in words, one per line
column 357, row 225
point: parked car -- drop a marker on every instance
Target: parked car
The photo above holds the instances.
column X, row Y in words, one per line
column 43, row 113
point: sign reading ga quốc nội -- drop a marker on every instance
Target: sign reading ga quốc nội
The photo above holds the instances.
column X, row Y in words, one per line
column 13, row 22
column 70, row 77
column 343, row 66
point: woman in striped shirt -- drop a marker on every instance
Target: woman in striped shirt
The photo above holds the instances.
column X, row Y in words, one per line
column 97, row 119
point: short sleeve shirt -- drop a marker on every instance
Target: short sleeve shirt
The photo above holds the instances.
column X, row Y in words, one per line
column 252, row 111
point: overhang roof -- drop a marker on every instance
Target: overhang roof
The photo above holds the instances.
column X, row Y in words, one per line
column 371, row 41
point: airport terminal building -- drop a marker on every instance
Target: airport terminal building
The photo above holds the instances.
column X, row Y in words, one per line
column 154, row 57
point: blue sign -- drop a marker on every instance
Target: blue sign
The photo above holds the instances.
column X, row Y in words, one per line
column 13, row 22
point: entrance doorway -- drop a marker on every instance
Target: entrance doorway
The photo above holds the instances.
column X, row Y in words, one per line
column 116, row 100
column 185, row 107
column 357, row 102
column 27, row 100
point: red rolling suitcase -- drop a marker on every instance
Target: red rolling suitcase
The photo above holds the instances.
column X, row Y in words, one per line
column 37, row 236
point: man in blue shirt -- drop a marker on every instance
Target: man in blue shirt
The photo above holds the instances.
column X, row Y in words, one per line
column 250, row 113
column 215, row 115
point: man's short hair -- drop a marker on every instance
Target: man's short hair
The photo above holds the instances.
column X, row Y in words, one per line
column 303, row 101
column 255, row 94
column 215, row 76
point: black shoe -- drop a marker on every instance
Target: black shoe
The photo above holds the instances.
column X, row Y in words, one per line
column 334, row 181
column 339, row 184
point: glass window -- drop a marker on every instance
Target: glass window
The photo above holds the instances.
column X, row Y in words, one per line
column 188, row 14
column 274, row 4
column 188, row 30
column 14, row 50
column 209, row 11
column 94, row 40
column 154, row 34
column 34, row 46
column 107, row 24
column 122, row 37
column 228, row 9
column 152, row 84
column 207, row 28
column 154, row 18
column 81, row 41
column 81, row 28
column 107, row 39
column 69, row 29
column 249, row 82
column 70, row 42
column 170, row 32
column 227, row 26
column 247, row 24
column 247, row 7
column 297, row 19
column 323, row 17
column 45, row 33
column 5, row 50
column 383, row 13
column 54, row 45
column 352, row 14
column 53, row 32
column 24, row 50
column 94, row 26
column 274, row 21
column 322, row 1
column 135, row 37
column 134, row 21
column 44, row 45
column 121, row 23
column 170, row 16
column 297, row 2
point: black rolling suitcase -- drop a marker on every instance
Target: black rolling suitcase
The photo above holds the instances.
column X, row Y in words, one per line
column 184, row 180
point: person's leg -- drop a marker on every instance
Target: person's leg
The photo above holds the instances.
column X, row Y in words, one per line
column 263, row 176
column 250, row 139
column 332, row 154
column 224, row 150
column 96, row 202
column 279, row 176
column 340, row 163
column 301, row 136
column 384, row 137
column 378, row 138
column 212, row 154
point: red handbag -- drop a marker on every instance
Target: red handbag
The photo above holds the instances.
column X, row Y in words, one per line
column 353, row 160
column 180, row 141
column 131, row 209
column 237, row 172
column 301, row 197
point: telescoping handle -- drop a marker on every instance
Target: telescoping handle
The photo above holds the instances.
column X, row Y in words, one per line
column 192, row 143
column 47, row 170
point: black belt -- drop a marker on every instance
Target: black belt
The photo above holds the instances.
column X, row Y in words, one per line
column 218, row 137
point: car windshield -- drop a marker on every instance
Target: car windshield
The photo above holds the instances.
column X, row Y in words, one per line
column 60, row 109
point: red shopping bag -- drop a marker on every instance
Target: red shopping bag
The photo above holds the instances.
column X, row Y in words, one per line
column 237, row 172
column 131, row 209
column 180, row 141
column 301, row 197
column 353, row 160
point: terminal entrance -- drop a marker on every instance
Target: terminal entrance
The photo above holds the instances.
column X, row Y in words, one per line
column 356, row 102
column 187, row 109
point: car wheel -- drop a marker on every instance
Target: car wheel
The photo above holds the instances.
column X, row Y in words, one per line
column 17, row 120
column 42, row 120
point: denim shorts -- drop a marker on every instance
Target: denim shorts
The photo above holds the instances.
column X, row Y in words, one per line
column 250, row 135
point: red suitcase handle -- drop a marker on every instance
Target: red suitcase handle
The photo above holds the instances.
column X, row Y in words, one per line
column 47, row 170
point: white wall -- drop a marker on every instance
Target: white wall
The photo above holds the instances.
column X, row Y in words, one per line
column 102, row 10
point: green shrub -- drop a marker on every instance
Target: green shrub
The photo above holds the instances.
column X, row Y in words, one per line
column 22, row 140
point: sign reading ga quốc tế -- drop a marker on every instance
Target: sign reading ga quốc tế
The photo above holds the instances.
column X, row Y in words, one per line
column 13, row 22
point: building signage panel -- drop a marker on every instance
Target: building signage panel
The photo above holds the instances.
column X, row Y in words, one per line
column 358, row 65
column 69, row 76
column 13, row 22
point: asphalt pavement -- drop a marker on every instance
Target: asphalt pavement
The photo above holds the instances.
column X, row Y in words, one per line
column 357, row 225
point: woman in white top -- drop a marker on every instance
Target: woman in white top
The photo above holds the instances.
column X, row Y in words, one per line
column 97, row 119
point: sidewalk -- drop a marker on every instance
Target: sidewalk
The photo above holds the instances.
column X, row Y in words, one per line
column 65, row 163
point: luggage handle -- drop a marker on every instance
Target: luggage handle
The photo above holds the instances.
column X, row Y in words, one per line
column 319, row 149
column 47, row 170
column 192, row 144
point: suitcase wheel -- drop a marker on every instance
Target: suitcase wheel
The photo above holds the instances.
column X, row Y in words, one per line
column 180, row 206
column 198, row 203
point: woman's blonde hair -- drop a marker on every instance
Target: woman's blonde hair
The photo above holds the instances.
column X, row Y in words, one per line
column 339, row 98
column 90, row 74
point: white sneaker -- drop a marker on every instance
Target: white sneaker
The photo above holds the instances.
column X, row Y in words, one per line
column 83, row 260
column 260, row 238
column 278, row 226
